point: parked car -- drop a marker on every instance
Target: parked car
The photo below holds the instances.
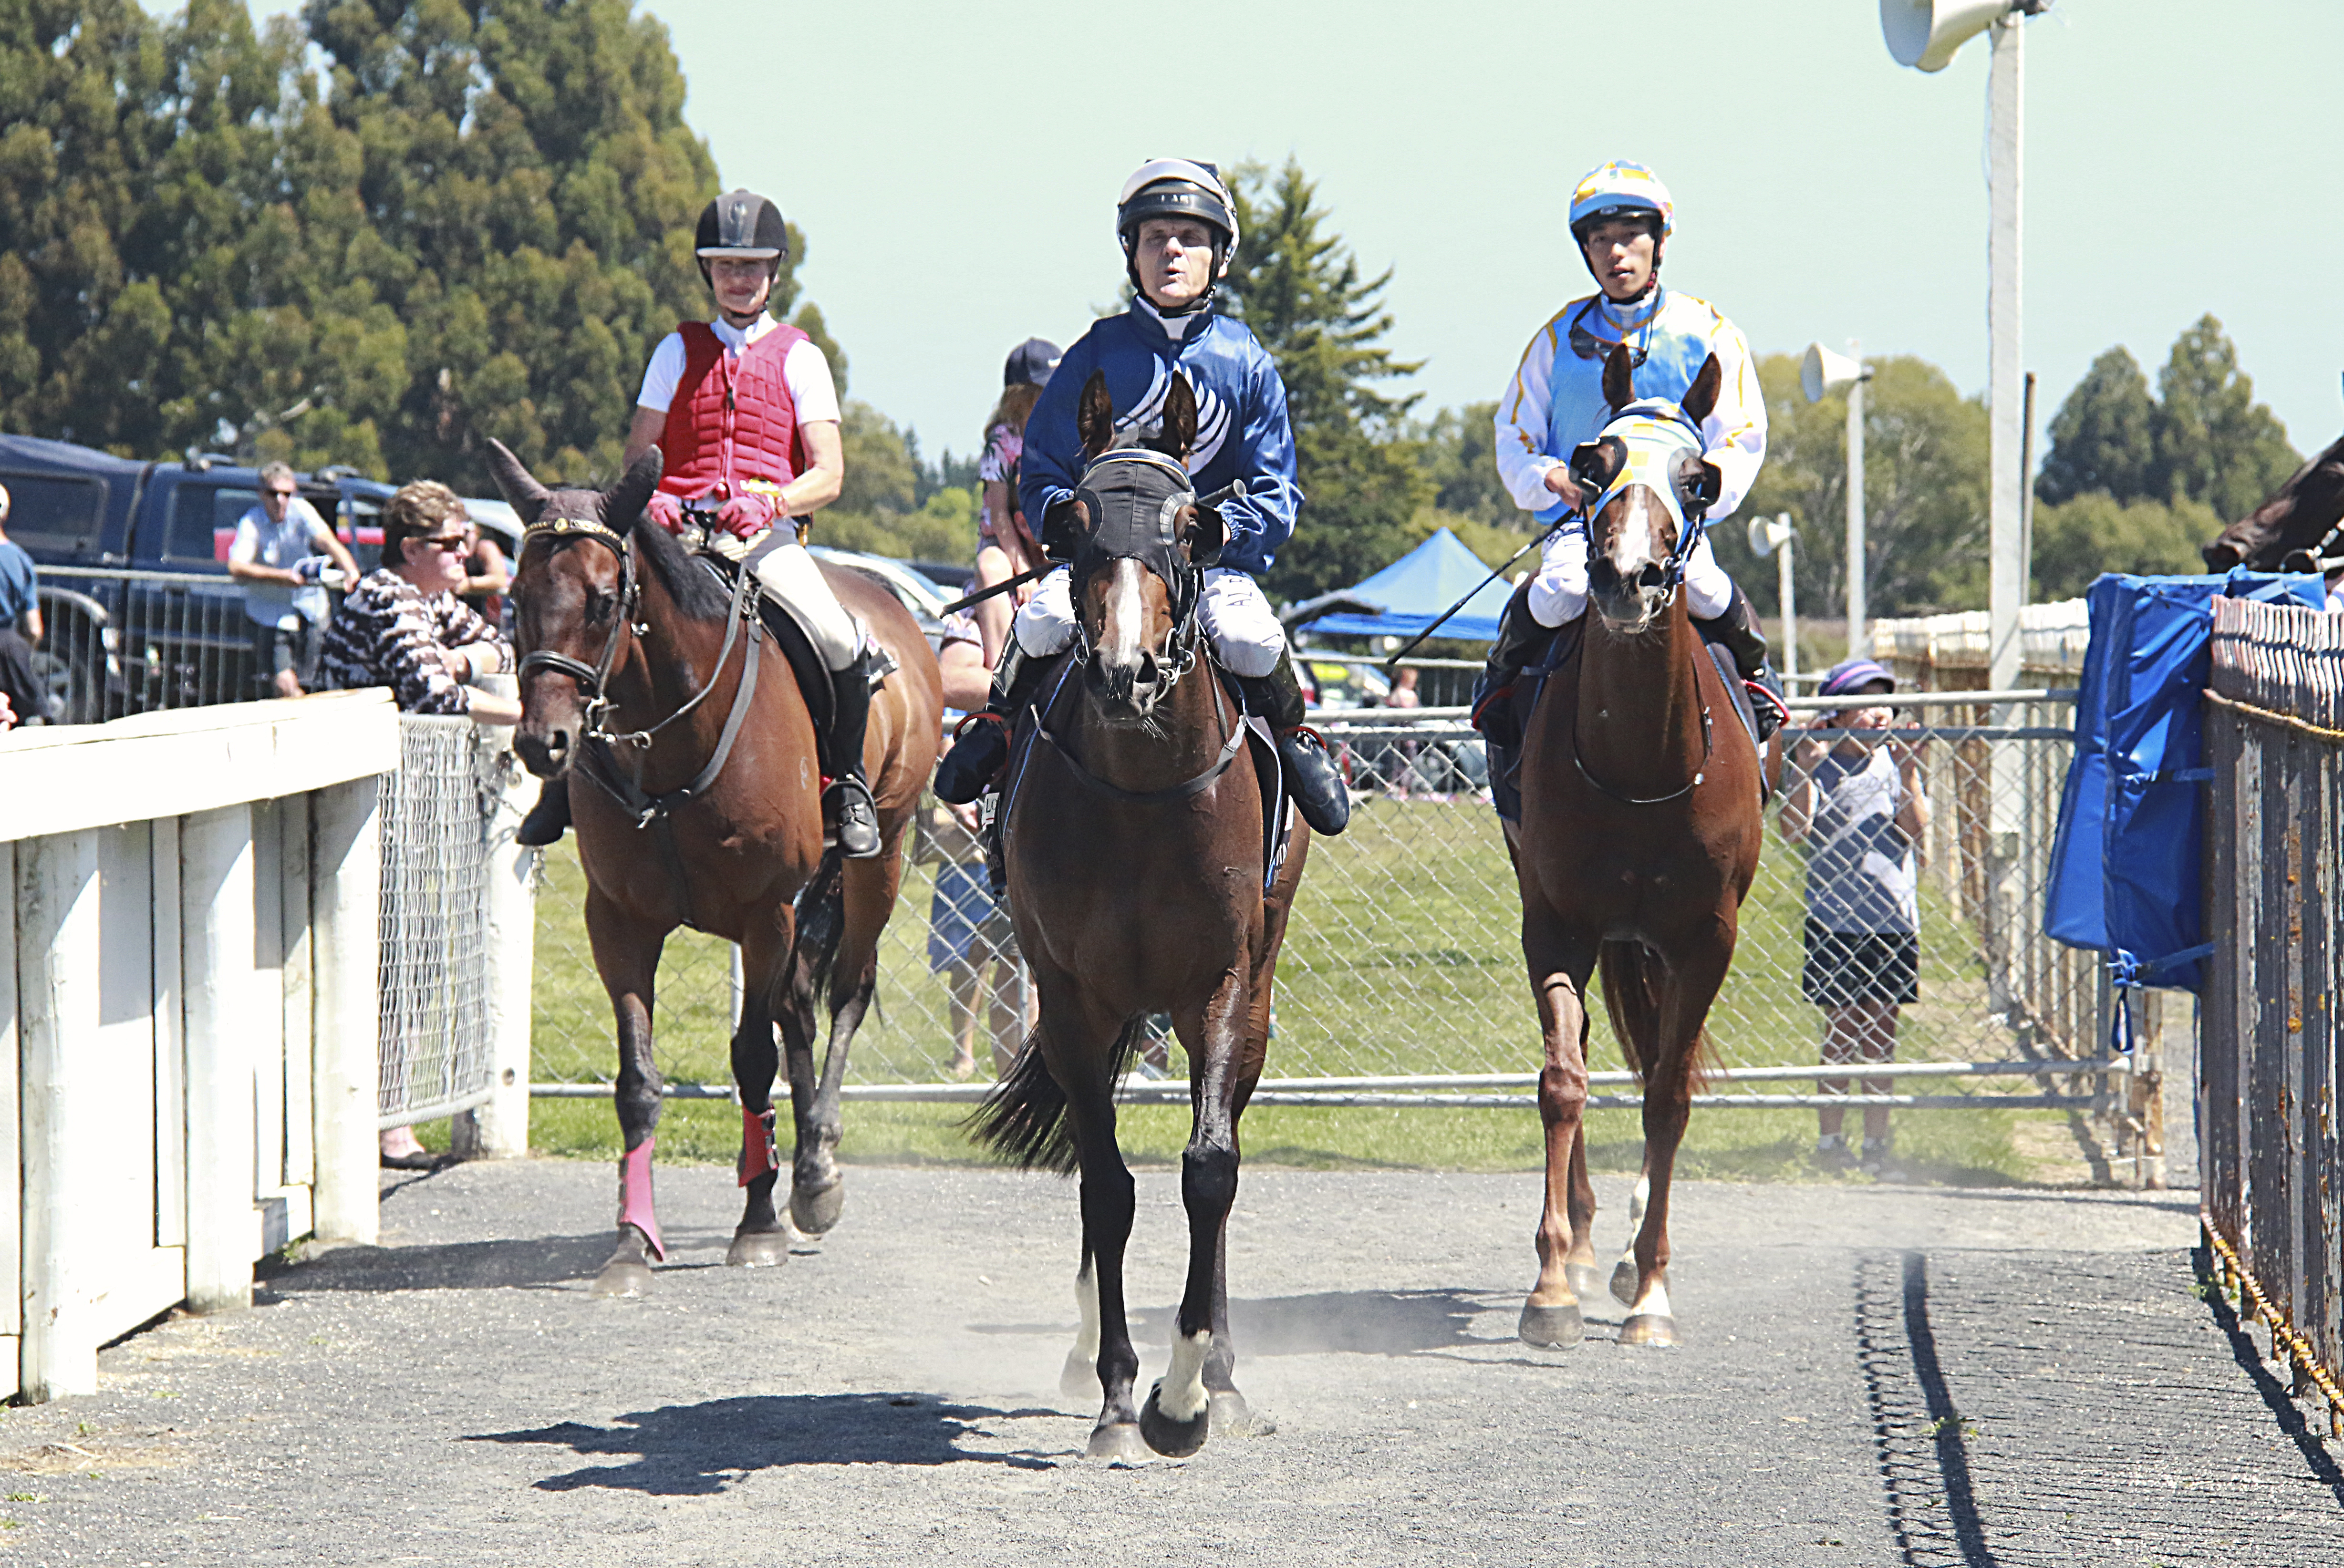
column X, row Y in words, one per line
column 141, row 613
column 918, row 593
column 1332, row 684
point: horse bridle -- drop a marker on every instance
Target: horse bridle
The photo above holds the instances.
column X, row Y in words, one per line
column 1182, row 576
column 594, row 679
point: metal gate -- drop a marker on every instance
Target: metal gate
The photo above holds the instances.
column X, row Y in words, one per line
column 2273, row 1178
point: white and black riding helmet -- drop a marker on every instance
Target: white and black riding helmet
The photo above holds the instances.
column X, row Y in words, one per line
column 1178, row 187
column 744, row 225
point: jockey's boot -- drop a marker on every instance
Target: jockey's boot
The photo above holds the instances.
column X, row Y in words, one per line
column 549, row 818
column 1737, row 632
column 980, row 747
column 1520, row 636
column 847, row 808
column 1311, row 773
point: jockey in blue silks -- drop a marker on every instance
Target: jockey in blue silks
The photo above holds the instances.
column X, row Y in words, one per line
column 1179, row 225
column 1620, row 216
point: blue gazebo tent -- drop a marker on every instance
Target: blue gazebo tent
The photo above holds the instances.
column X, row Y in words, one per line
column 1407, row 596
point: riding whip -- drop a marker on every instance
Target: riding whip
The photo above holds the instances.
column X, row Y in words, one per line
column 1231, row 491
column 1495, row 573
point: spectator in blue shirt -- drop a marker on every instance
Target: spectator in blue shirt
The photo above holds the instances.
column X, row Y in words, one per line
column 20, row 627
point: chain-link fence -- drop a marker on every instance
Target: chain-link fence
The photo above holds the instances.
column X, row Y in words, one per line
column 1404, row 958
column 436, row 812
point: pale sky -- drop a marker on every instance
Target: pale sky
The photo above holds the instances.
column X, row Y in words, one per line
column 954, row 167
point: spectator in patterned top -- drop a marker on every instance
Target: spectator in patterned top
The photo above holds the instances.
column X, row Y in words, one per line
column 403, row 626
column 1005, row 547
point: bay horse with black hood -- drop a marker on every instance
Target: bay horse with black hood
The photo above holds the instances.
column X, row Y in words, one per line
column 1640, row 833
column 645, row 668
column 1139, row 884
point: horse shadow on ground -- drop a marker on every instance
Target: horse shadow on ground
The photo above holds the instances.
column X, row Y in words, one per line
column 700, row 1449
column 533, row 1261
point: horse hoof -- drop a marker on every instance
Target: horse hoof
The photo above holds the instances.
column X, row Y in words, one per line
column 1232, row 1417
column 1624, row 1281
column 815, row 1212
column 1078, row 1380
column 1167, row 1435
column 1554, row 1328
column 1118, row 1443
column 623, row 1279
column 1586, row 1281
column 758, row 1250
column 1649, row 1328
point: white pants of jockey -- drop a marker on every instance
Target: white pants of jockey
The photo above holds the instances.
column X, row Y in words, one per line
column 1240, row 628
column 792, row 576
column 1559, row 592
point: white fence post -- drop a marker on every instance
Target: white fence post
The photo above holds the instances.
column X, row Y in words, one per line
column 12, row 1237
column 223, row 1023
column 345, row 855
column 59, row 1006
column 501, row 1128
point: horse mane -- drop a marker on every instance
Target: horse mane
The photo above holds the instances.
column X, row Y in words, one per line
column 695, row 590
column 2307, row 505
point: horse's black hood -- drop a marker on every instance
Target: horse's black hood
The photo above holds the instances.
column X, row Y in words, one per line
column 1134, row 498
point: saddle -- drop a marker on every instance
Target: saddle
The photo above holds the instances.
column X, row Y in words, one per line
column 720, row 555
column 1505, row 767
column 1277, row 806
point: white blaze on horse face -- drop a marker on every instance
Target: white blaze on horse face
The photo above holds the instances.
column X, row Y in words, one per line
column 1125, row 612
column 1182, row 1393
column 1632, row 547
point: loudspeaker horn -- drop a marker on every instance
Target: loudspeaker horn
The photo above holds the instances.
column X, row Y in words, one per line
column 1768, row 535
column 1822, row 373
column 1925, row 34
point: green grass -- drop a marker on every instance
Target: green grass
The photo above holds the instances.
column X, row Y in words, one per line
column 1404, row 956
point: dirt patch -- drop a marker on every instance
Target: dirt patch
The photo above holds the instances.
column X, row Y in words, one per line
column 157, row 1448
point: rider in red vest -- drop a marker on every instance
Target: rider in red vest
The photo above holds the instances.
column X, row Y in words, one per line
column 746, row 414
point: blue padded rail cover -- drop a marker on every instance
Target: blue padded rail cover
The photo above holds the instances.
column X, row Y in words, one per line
column 2126, row 858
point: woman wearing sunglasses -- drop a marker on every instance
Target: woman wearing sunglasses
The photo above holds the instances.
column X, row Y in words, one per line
column 403, row 626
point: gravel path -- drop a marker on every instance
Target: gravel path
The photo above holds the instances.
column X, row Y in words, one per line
column 1869, row 1376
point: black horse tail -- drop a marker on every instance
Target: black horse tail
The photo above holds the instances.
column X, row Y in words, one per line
column 821, row 907
column 1632, row 976
column 1025, row 1118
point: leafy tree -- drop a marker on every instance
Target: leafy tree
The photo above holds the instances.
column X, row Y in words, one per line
column 1458, row 451
column 2076, row 540
column 1924, row 492
column 1295, row 284
column 2104, row 437
column 885, row 506
column 2215, row 443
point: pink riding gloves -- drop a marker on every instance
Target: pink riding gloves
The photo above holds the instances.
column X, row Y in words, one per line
column 665, row 511
column 745, row 517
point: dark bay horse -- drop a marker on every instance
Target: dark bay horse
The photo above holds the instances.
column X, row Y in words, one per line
column 1137, row 880
column 1640, row 833
column 2302, row 520
column 641, row 668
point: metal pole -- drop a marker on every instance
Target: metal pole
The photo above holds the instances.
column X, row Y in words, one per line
column 1790, row 609
column 2006, row 397
column 1859, row 639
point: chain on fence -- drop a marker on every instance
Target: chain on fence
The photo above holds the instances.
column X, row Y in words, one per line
column 1403, row 957
column 434, row 973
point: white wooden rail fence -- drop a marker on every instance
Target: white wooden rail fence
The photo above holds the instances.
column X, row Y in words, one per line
column 187, row 1012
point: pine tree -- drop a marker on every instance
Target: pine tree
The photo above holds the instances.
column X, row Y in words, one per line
column 2215, row 443
column 1296, row 284
column 2104, row 437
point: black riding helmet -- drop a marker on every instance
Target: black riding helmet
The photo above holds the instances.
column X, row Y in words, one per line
column 743, row 225
column 1178, row 187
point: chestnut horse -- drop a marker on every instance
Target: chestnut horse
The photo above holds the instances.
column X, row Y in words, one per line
column 1640, row 833
column 2301, row 522
column 640, row 668
column 1137, row 883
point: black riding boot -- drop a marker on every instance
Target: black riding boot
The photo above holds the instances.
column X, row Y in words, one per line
column 1520, row 636
column 1310, row 774
column 981, row 748
column 1737, row 632
column 847, row 808
column 549, row 818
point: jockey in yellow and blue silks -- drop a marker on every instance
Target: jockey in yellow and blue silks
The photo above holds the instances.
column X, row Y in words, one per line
column 1620, row 216
column 1177, row 226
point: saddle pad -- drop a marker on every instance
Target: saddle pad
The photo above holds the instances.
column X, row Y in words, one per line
column 1505, row 767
